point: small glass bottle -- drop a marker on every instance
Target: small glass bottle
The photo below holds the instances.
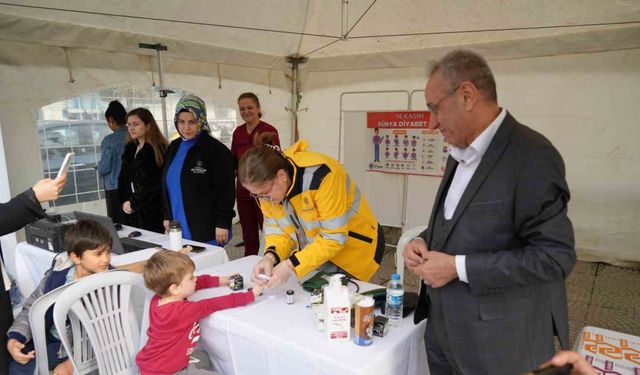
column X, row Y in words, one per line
column 175, row 236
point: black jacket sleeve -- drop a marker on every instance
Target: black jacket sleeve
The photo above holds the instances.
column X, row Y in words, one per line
column 19, row 211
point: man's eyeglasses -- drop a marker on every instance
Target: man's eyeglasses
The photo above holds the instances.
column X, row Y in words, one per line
column 433, row 107
column 266, row 194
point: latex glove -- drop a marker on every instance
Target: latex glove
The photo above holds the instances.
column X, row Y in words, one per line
column 48, row 189
column 264, row 267
column 65, row 368
column 222, row 236
column 166, row 224
column 14, row 347
column 126, row 207
column 281, row 273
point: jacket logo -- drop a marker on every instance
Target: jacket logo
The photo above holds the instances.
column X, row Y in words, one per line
column 198, row 169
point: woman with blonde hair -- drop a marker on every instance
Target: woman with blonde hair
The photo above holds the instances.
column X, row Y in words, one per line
column 139, row 185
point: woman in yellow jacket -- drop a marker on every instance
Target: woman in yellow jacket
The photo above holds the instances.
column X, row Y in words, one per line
column 314, row 215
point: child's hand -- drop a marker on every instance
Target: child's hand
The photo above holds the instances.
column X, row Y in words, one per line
column 257, row 289
column 224, row 280
column 14, row 347
column 65, row 368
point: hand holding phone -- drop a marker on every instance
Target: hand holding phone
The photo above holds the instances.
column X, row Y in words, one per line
column 64, row 168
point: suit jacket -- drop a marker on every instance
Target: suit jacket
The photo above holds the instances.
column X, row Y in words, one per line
column 512, row 225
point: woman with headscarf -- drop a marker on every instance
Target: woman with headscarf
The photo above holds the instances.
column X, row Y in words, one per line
column 198, row 179
column 246, row 137
column 139, row 181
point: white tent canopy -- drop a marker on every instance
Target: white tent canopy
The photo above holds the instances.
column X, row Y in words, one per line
column 569, row 69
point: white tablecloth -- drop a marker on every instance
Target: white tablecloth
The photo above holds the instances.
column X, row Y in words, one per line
column 32, row 262
column 272, row 337
column 610, row 352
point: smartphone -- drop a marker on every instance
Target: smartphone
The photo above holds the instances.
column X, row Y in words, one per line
column 197, row 249
column 64, row 168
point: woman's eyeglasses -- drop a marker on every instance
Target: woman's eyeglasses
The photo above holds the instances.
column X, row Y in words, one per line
column 266, row 194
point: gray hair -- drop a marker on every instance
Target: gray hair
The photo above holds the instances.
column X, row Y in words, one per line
column 464, row 65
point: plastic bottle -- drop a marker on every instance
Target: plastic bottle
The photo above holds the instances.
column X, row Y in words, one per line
column 175, row 236
column 395, row 298
column 337, row 306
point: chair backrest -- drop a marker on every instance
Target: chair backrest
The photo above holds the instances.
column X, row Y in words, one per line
column 82, row 352
column 101, row 305
column 406, row 237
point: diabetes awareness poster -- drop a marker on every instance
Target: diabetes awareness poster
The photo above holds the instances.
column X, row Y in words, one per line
column 401, row 142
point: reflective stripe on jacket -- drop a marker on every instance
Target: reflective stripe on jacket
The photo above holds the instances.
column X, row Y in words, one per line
column 330, row 213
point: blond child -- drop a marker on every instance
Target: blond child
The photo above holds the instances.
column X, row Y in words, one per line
column 173, row 320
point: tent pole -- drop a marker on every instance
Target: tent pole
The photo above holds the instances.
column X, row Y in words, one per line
column 296, row 97
column 161, row 90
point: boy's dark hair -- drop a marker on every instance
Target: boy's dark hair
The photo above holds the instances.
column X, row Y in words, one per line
column 86, row 235
column 117, row 112
column 166, row 268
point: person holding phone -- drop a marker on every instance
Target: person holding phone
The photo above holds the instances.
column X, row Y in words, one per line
column 139, row 186
column 15, row 214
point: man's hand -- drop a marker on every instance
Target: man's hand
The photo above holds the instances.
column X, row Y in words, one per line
column 48, row 189
column 14, row 347
column 414, row 253
column 126, row 207
column 222, row 236
column 579, row 363
column 264, row 267
column 438, row 269
column 65, row 368
column 281, row 273
column 167, row 226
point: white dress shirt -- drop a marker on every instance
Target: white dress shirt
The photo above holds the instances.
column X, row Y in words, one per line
column 468, row 161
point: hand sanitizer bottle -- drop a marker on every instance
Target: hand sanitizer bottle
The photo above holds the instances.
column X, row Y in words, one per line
column 337, row 321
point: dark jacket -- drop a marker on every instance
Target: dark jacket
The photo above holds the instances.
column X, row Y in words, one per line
column 142, row 171
column 207, row 184
column 512, row 225
column 19, row 211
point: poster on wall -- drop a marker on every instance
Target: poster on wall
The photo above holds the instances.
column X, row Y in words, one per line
column 401, row 142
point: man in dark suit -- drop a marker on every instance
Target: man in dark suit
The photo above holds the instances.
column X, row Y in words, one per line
column 499, row 245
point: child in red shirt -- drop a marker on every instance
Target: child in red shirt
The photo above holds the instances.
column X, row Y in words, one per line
column 173, row 320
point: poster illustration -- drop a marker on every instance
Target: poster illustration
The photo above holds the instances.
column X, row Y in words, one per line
column 401, row 142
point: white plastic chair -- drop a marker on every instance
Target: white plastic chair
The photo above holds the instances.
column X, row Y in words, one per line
column 101, row 305
column 406, row 237
column 81, row 348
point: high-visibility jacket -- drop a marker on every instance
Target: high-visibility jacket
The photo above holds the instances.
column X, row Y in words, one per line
column 323, row 218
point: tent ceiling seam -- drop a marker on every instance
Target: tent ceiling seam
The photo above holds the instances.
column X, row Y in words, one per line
column 524, row 28
column 247, row 28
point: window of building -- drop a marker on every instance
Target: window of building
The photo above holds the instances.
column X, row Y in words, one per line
column 78, row 125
